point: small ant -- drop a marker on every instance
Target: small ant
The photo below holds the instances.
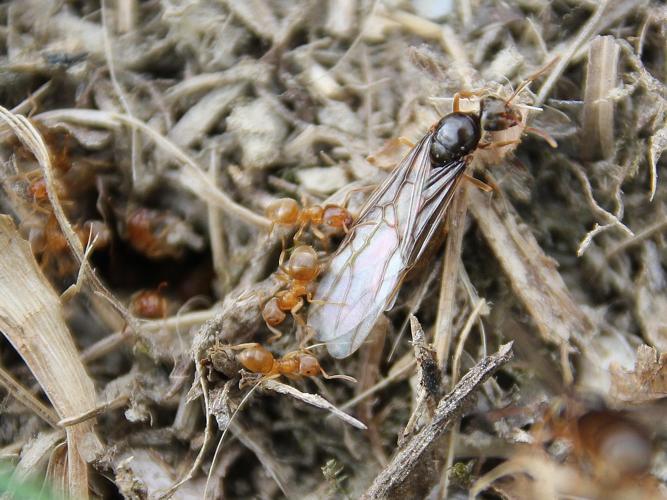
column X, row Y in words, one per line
column 299, row 275
column 50, row 245
column 257, row 359
column 150, row 304
column 287, row 212
column 36, row 188
column 31, row 186
column 151, row 233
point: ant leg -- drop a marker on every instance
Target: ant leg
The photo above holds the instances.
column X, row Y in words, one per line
column 281, row 275
column 309, row 335
column 543, row 135
column 299, row 233
column 497, row 144
column 283, row 253
column 301, row 324
column 322, row 237
column 405, row 141
column 247, row 345
column 260, row 297
column 295, row 310
column 477, row 183
column 465, row 94
column 276, row 333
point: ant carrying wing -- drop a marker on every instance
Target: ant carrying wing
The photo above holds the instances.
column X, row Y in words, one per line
column 392, row 231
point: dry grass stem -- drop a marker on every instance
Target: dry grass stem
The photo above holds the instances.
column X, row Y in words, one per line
column 450, row 272
column 541, row 290
column 598, row 114
column 585, row 34
column 313, row 400
column 389, row 482
column 24, row 397
column 31, row 318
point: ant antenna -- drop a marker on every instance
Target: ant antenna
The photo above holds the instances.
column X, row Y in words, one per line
column 311, row 347
column 531, row 78
column 339, row 376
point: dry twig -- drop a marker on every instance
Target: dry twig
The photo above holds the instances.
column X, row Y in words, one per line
column 396, row 476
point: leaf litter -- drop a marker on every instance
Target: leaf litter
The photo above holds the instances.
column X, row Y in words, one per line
column 142, row 143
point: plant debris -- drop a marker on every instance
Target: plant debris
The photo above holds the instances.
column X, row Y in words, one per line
column 176, row 176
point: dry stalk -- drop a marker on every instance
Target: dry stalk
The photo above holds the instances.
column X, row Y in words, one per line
column 24, row 397
column 598, row 119
column 428, row 374
column 450, row 271
column 396, row 476
column 31, row 318
column 216, row 231
column 533, row 275
column 586, row 32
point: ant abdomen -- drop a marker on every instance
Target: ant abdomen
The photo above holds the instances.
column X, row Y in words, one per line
column 303, row 264
column 256, row 359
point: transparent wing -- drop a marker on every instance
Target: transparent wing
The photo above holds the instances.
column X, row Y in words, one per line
column 390, row 235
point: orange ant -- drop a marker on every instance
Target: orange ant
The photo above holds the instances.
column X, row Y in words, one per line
column 257, row 359
column 299, row 275
column 287, row 212
column 149, row 304
column 150, row 232
column 37, row 189
column 603, row 453
column 51, row 246
column 31, row 186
